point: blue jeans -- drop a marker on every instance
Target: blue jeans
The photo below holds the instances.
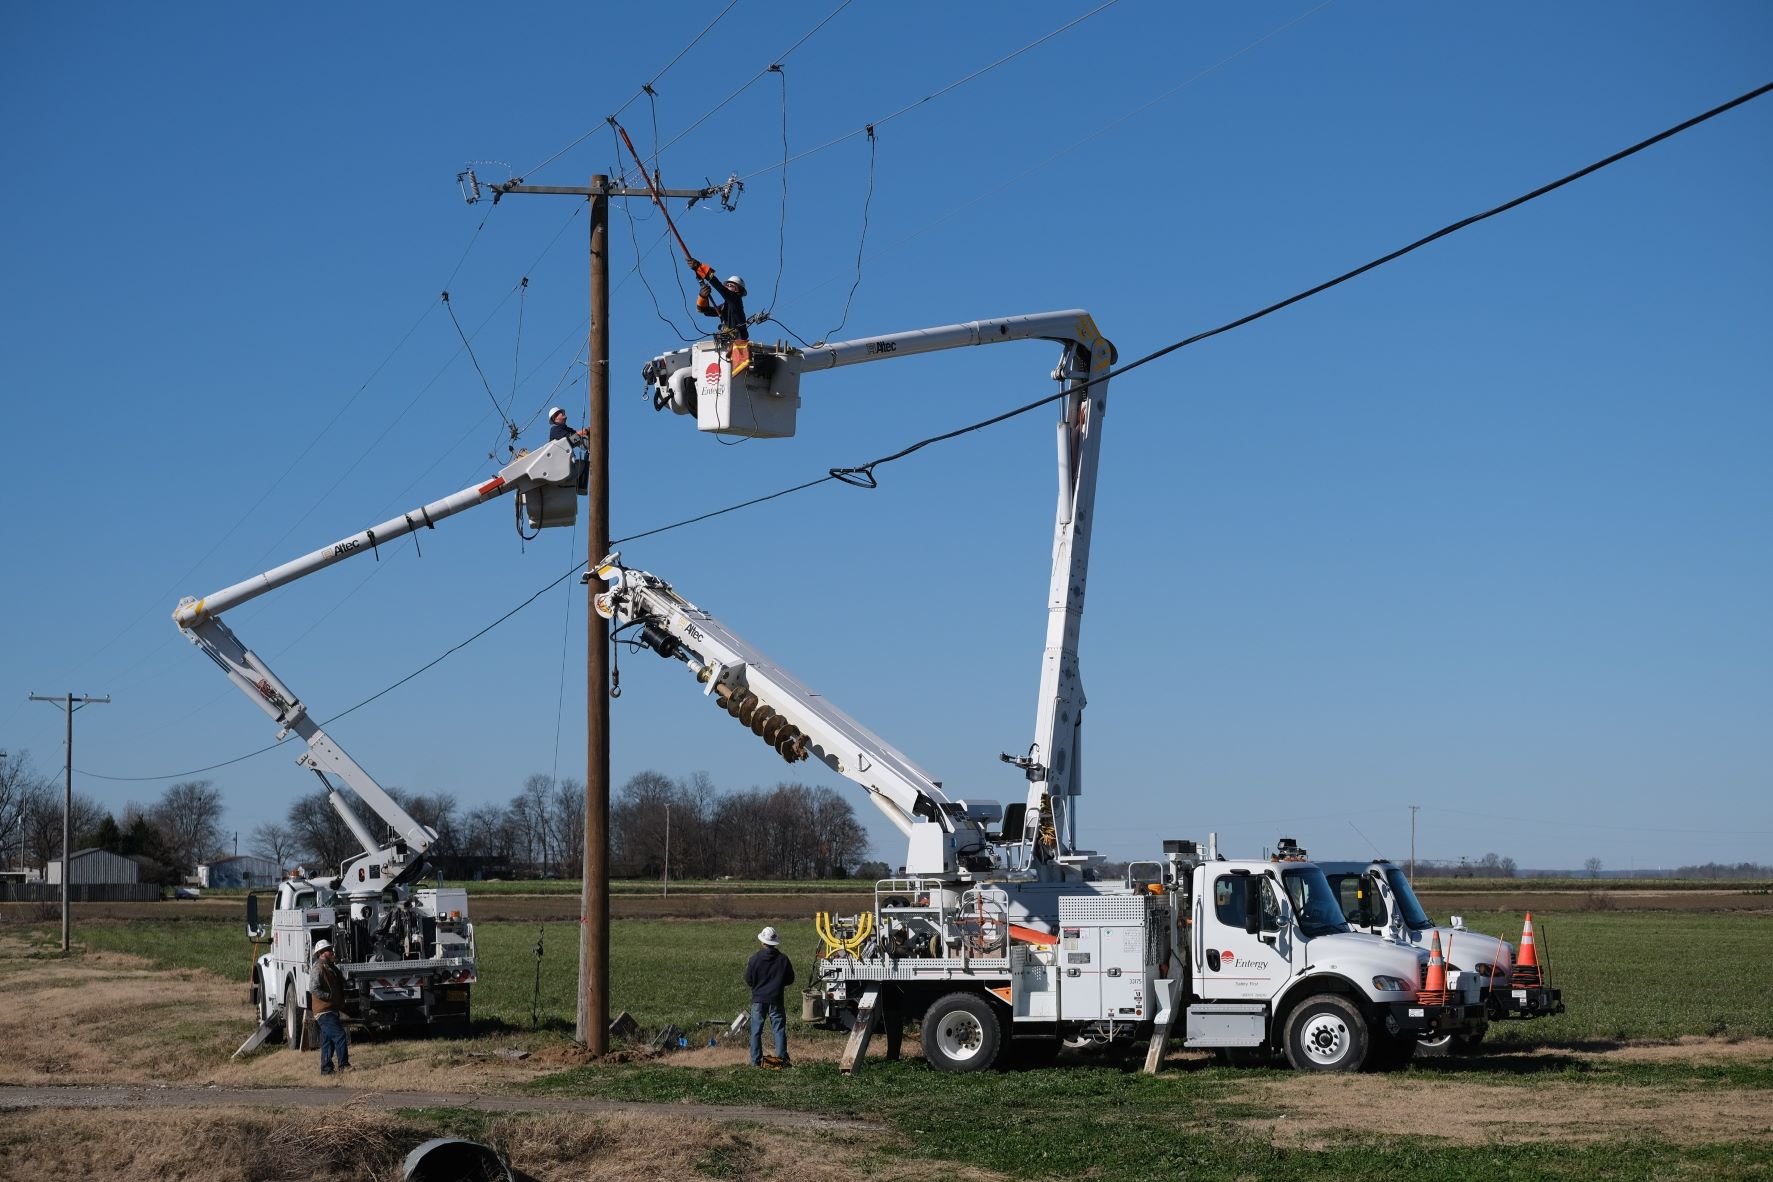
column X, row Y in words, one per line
column 778, row 1023
column 332, row 1040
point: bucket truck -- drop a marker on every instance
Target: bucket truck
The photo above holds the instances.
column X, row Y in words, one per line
column 995, row 930
column 1378, row 899
column 406, row 950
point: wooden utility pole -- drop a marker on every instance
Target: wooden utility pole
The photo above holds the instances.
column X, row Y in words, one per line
column 593, row 1011
column 69, row 703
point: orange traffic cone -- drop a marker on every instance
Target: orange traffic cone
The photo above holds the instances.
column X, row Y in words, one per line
column 1527, row 974
column 1434, row 986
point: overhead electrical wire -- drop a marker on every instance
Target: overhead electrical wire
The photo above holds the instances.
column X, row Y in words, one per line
column 646, row 88
column 863, row 474
column 931, row 97
column 848, row 475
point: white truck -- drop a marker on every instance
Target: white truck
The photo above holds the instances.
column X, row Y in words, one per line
column 406, row 949
column 1378, row 899
column 995, row 930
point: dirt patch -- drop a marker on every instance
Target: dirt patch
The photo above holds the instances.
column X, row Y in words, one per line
column 1313, row 1111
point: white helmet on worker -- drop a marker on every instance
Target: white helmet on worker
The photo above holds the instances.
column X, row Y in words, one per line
column 735, row 283
column 558, row 410
column 768, row 936
column 323, row 946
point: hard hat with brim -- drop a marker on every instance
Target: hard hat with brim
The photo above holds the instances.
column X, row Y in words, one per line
column 769, row 936
column 323, row 946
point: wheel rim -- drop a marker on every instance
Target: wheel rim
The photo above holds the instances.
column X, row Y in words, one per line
column 1436, row 1042
column 960, row 1036
column 1325, row 1039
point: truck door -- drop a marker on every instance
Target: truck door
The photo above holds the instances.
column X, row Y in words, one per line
column 1236, row 964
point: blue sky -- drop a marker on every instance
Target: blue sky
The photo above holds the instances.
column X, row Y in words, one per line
column 1486, row 531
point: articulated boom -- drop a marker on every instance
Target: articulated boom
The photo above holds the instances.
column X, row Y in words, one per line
column 943, row 836
column 762, row 402
column 543, row 481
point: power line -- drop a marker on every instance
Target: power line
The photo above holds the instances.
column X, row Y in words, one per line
column 933, row 95
column 778, row 60
column 431, row 664
column 863, row 475
column 646, row 88
column 851, row 475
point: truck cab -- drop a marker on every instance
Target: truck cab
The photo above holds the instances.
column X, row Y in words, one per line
column 1378, row 899
column 1275, row 966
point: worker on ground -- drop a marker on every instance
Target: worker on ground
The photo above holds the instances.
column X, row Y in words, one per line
column 769, row 973
column 327, row 993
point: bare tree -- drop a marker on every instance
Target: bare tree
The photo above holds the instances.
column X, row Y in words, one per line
column 276, row 841
column 189, row 817
column 41, row 821
column 320, row 833
column 1593, row 866
column 569, row 826
column 18, row 777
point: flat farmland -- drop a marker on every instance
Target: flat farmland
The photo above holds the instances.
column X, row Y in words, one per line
column 1662, row 1068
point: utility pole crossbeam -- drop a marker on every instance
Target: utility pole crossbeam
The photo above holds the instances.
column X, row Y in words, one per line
column 69, row 703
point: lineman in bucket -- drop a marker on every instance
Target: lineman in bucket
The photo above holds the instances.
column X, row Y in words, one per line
column 769, row 973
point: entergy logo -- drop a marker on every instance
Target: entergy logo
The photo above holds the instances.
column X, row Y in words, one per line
column 711, row 376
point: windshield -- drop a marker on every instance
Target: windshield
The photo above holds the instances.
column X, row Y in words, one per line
column 1408, row 905
column 1314, row 903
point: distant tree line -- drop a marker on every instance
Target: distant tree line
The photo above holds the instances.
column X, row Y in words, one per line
column 1489, row 866
column 789, row 831
column 1722, row 870
column 167, row 839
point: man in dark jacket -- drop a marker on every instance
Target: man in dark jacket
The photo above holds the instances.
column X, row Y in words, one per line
column 326, row 990
column 769, row 973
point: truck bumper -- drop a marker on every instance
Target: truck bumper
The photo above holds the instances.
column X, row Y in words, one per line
column 1533, row 1002
column 1408, row 1018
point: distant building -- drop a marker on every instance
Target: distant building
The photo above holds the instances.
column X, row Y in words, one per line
column 94, row 867
column 244, row 870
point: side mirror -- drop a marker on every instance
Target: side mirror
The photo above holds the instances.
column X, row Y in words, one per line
column 1253, row 908
column 254, row 929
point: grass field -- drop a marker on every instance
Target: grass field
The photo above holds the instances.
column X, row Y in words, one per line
column 1625, row 975
column 1628, row 977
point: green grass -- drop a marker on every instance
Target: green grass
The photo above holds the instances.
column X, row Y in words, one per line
column 1626, row 975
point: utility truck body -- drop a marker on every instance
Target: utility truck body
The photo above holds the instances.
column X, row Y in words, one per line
column 406, row 949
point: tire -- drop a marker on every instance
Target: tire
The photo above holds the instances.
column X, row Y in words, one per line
column 961, row 1032
column 1443, row 1045
column 1326, row 1033
column 293, row 1016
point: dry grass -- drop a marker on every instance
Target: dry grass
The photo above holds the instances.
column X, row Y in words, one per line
column 365, row 1146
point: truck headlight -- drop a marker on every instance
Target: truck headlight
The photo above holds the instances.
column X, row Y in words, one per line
column 1392, row 985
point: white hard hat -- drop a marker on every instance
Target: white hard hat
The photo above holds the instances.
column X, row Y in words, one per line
column 558, row 410
column 768, row 936
column 323, row 946
column 735, row 281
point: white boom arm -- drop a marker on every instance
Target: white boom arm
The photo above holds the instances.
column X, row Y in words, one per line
column 943, row 835
column 696, row 381
column 544, row 481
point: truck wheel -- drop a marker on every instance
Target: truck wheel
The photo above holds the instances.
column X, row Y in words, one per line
column 1326, row 1033
column 961, row 1033
column 292, row 1016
